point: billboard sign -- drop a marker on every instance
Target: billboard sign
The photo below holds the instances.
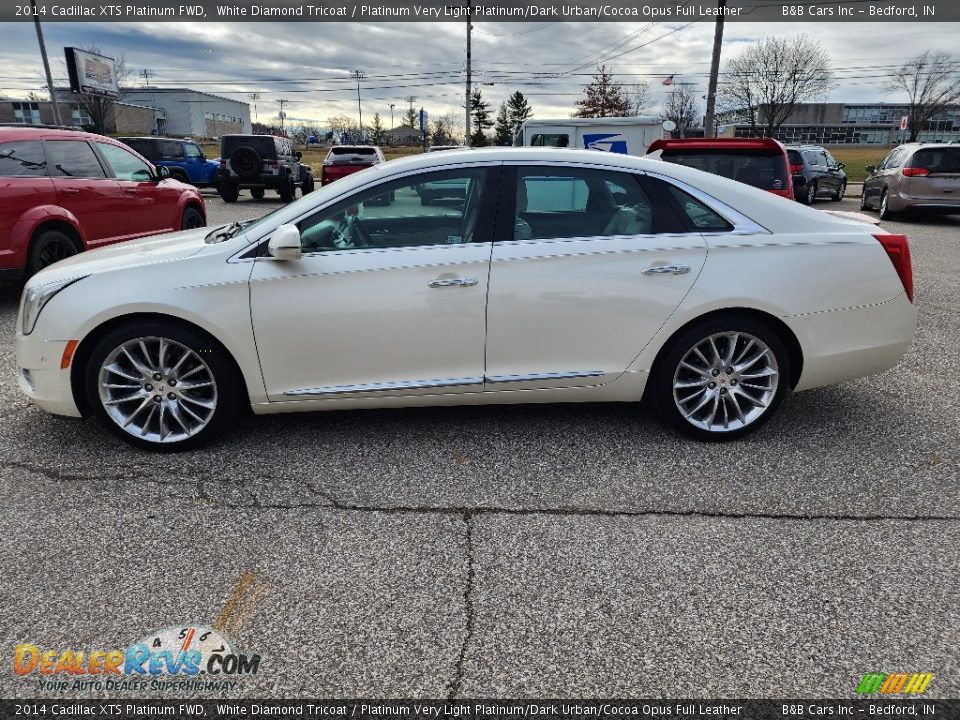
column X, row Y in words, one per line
column 91, row 73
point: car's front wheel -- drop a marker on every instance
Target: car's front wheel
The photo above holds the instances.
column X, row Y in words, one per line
column 841, row 191
column 722, row 378
column 287, row 190
column 192, row 218
column 257, row 193
column 228, row 191
column 308, row 186
column 161, row 386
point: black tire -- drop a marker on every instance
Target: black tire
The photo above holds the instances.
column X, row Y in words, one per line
column 228, row 192
column 308, row 185
column 246, row 162
column 178, row 174
column 864, row 205
column 225, row 392
column 811, row 194
column 841, row 191
column 49, row 247
column 668, row 368
column 257, row 193
column 287, row 190
column 885, row 212
column 192, row 218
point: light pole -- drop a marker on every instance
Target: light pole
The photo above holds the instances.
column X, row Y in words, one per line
column 466, row 128
column 359, row 75
column 46, row 63
column 391, row 115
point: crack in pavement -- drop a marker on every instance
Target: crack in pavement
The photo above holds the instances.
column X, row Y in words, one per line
column 456, row 684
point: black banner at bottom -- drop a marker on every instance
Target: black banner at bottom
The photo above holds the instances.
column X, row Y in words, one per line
column 483, row 709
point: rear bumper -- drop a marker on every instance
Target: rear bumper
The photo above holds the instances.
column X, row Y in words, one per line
column 40, row 376
column 843, row 345
column 900, row 201
column 270, row 182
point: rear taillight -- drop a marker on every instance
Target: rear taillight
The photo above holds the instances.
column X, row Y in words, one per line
column 898, row 250
column 915, row 172
column 796, row 169
column 223, row 163
column 274, row 163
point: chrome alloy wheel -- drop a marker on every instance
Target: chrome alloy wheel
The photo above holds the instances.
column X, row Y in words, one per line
column 157, row 389
column 726, row 381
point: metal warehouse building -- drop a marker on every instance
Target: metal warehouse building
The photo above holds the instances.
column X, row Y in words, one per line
column 192, row 113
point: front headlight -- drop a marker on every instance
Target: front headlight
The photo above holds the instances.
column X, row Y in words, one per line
column 36, row 297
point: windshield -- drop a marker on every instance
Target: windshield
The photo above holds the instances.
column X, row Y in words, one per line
column 764, row 169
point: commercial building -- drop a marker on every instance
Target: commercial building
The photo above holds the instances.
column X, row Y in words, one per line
column 121, row 118
column 190, row 113
column 846, row 124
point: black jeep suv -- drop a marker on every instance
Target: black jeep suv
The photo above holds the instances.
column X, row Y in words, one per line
column 258, row 162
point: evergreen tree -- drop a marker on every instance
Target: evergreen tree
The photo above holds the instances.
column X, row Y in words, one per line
column 519, row 110
column 604, row 97
column 412, row 118
column 503, row 130
column 377, row 130
column 480, row 113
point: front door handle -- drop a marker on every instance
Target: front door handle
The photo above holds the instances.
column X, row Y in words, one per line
column 664, row 269
column 453, row 282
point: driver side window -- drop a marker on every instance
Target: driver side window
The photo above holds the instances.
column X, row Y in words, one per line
column 437, row 208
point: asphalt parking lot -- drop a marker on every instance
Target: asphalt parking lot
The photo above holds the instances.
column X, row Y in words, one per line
column 541, row 551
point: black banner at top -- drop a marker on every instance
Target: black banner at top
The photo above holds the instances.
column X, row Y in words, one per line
column 680, row 11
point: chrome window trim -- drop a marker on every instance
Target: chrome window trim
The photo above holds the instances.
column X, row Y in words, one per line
column 530, row 377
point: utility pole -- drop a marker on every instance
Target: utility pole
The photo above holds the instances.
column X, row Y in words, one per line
column 254, row 97
column 709, row 120
column 391, row 115
column 359, row 75
column 46, row 64
column 282, row 113
column 146, row 74
column 466, row 128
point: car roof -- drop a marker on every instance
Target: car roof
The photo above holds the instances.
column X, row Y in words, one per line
column 39, row 133
column 154, row 137
column 715, row 144
column 365, row 147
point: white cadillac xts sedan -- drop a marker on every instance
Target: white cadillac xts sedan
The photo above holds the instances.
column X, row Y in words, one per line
column 523, row 275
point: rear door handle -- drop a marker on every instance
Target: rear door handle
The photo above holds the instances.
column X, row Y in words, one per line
column 70, row 191
column 666, row 269
column 130, row 191
column 453, row 282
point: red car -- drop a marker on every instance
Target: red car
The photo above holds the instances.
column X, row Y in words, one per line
column 760, row 162
column 343, row 160
column 64, row 191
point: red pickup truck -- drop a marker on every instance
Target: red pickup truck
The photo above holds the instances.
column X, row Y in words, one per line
column 343, row 160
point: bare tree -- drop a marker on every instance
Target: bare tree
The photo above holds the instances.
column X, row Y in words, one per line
column 639, row 97
column 769, row 79
column 931, row 82
column 681, row 107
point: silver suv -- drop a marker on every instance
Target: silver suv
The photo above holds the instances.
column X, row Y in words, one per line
column 259, row 163
column 914, row 176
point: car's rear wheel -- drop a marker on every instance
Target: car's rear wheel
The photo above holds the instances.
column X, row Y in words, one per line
column 48, row 247
column 287, row 190
column 161, row 386
column 841, row 191
column 192, row 218
column 811, row 194
column 722, row 378
column 885, row 212
column 228, row 191
column 257, row 193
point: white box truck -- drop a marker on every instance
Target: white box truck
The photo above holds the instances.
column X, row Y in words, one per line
column 624, row 135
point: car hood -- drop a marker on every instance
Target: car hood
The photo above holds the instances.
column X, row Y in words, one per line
column 133, row 253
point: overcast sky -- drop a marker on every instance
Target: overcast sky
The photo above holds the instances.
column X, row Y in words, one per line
column 309, row 63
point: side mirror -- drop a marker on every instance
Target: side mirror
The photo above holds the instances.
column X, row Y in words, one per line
column 870, row 169
column 163, row 172
column 299, row 155
column 285, row 243
column 841, row 166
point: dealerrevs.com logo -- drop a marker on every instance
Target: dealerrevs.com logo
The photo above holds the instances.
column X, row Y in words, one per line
column 177, row 658
column 877, row 683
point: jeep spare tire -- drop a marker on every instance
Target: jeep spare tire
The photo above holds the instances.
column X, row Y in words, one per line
column 246, row 162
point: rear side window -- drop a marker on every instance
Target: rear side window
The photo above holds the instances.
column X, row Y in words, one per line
column 171, row 150
column 22, row 159
column 937, row 160
column 73, row 158
column 699, row 215
column 795, row 157
column 764, row 169
column 550, row 140
column 147, row 148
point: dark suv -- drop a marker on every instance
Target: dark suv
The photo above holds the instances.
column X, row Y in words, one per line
column 184, row 158
column 261, row 162
column 816, row 173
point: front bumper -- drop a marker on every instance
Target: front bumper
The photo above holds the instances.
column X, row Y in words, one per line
column 40, row 376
